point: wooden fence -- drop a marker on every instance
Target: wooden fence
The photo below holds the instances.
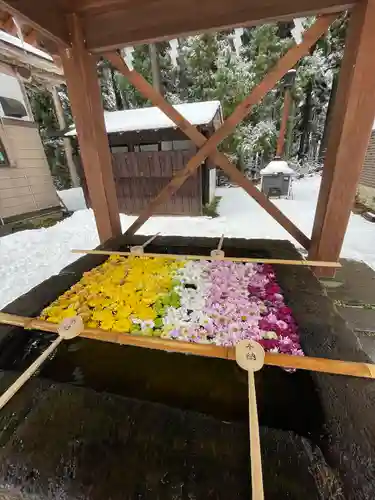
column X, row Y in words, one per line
column 140, row 176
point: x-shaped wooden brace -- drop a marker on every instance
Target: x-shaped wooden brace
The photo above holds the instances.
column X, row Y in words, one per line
column 208, row 146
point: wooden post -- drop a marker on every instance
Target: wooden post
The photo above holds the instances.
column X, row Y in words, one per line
column 350, row 130
column 85, row 98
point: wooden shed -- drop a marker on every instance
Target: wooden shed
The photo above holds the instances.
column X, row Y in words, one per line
column 148, row 150
column 366, row 186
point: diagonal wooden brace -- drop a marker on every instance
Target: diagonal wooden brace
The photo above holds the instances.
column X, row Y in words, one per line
column 199, row 139
column 209, row 146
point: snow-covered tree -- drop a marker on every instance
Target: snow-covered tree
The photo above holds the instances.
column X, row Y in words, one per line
column 258, row 139
column 142, row 64
column 45, row 116
column 213, row 66
column 198, row 56
column 262, row 48
column 106, row 85
column 211, row 70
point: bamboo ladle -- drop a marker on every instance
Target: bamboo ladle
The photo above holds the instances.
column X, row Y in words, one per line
column 139, row 249
column 68, row 329
column 250, row 357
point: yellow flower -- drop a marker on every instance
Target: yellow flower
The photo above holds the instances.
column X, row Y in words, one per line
column 143, row 312
column 114, row 293
column 122, row 325
column 104, row 315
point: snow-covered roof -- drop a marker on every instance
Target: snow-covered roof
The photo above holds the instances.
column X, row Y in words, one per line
column 277, row 167
column 197, row 113
column 16, row 42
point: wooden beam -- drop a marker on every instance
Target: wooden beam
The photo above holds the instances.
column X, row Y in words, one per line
column 85, row 98
column 31, row 37
column 199, row 139
column 209, row 147
column 43, row 15
column 332, row 366
column 254, row 260
column 349, row 134
column 111, row 24
column 9, row 26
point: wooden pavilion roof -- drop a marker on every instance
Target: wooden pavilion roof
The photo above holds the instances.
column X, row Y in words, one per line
column 109, row 24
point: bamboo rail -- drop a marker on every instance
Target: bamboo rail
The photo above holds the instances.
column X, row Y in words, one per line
column 67, row 330
column 331, row 366
column 250, row 357
column 256, row 260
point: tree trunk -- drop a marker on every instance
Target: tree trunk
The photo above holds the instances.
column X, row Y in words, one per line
column 117, row 91
column 289, row 133
column 284, row 124
column 183, row 83
column 323, row 144
column 66, row 141
column 155, row 68
column 306, row 122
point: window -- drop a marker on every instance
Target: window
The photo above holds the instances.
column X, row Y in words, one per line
column 119, row 149
column 176, row 145
column 166, row 145
column 181, row 145
column 146, row 147
column 4, row 162
column 12, row 107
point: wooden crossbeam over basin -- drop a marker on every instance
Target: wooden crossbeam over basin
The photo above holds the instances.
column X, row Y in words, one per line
column 332, row 366
column 255, row 260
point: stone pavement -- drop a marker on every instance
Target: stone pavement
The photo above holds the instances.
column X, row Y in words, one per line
column 353, row 291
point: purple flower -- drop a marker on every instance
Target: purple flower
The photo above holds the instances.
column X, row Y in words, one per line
column 244, row 300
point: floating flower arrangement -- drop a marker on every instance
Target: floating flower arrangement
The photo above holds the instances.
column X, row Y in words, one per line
column 212, row 302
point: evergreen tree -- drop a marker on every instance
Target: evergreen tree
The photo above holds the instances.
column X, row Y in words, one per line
column 44, row 115
column 316, row 76
column 333, row 50
column 262, row 48
column 106, row 85
column 142, row 64
column 211, row 70
column 200, row 56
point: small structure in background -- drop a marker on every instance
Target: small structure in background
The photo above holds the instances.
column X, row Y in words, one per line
column 276, row 179
column 148, row 150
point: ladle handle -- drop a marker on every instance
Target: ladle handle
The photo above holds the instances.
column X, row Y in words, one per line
column 9, row 393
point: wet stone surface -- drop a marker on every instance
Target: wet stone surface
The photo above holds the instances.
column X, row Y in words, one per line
column 74, row 443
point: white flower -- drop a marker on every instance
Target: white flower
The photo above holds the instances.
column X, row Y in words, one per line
column 270, row 335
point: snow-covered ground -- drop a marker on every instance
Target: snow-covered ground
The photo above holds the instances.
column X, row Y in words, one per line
column 73, row 199
column 29, row 257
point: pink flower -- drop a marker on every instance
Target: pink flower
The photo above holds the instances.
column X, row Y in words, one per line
column 244, row 301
